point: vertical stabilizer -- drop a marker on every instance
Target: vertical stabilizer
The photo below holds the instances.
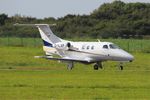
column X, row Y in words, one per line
column 47, row 35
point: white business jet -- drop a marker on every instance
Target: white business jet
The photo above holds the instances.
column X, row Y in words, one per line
column 83, row 52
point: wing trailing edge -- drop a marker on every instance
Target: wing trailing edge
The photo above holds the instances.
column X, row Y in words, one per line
column 64, row 59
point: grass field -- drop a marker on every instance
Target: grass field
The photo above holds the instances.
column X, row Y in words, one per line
column 24, row 78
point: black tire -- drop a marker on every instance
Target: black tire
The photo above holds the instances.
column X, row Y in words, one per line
column 95, row 67
column 121, row 67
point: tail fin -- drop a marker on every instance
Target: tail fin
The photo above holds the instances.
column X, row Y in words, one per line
column 48, row 38
column 47, row 35
column 45, row 32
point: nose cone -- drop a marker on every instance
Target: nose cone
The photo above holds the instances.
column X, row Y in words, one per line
column 127, row 56
column 130, row 57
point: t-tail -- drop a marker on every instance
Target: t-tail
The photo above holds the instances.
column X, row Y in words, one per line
column 48, row 37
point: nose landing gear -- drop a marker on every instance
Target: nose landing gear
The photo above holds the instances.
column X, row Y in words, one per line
column 121, row 65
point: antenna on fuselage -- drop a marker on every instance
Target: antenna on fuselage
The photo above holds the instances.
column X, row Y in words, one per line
column 98, row 40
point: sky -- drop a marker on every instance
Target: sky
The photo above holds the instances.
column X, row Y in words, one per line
column 52, row 8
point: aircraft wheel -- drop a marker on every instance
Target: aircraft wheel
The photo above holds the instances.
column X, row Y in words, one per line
column 95, row 67
column 121, row 67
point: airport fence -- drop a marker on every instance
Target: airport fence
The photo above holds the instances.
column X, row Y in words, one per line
column 131, row 45
column 20, row 42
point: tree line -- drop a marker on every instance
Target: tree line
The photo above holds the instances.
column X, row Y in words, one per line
column 110, row 20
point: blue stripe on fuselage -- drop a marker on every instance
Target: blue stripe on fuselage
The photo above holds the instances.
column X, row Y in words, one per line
column 47, row 44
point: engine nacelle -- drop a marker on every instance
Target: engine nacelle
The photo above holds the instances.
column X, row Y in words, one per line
column 63, row 45
column 68, row 45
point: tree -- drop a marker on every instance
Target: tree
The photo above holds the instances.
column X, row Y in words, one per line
column 3, row 17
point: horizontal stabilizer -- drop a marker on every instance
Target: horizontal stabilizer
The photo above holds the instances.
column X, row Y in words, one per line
column 17, row 24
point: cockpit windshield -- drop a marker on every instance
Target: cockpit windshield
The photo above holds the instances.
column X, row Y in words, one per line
column 113, row 46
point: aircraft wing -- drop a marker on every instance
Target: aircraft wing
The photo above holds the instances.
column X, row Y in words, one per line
column 65, row 59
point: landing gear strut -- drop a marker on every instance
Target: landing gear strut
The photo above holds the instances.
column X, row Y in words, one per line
column 121, row 66
column 98, row 65
column 70, row 65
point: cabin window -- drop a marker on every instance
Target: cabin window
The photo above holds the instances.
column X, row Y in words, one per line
column 83, row 47
column 105, row 46
column 62, row 45
column 88, row 47
column 92, row 47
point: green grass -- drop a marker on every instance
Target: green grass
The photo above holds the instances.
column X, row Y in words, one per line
column 24, row 78
column 56, row 84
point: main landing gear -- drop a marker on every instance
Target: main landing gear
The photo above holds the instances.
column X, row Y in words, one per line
column 121, row 65
column 70, row 65
column 98, row 65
